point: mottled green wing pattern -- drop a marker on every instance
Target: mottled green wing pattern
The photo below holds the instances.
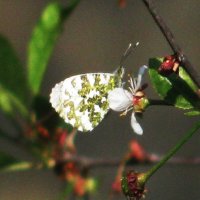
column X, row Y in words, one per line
column 81, row 100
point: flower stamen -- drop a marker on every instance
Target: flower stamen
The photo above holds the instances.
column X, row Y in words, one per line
column 126, row 111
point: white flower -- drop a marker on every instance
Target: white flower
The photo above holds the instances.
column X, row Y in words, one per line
column 123, row 100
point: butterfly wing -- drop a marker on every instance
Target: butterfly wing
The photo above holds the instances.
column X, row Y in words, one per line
column 81, row 100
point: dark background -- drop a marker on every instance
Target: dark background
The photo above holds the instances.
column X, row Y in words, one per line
column 94, row 38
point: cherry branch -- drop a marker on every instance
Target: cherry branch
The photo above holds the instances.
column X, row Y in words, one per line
column 90, row 163
column 172, row 42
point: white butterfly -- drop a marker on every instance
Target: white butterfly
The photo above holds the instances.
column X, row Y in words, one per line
column 123, row 100
column 81, row 100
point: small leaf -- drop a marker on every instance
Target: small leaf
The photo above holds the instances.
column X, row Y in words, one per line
column 9, row 103
column 9, row 163
column 43, row 40
column 184, row 75
column 187, row 92
column 13, row 84
column 178, row 90
column 6, row 160
column 192, row 113
column 5, row 101
column 17, row 166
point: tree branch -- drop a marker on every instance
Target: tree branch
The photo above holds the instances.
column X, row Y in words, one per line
column 92, row 163
column 172, row 42
column 87, row 162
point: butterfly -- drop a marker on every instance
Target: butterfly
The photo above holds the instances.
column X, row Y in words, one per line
column 82, row 100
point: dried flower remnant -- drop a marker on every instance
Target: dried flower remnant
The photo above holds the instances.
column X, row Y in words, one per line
column 79, row 186
column 122, row 100
column 133, row 185
column 84, row 186
column 43, row 132
column 71, row 172
column 169, row 65
column 65, row 140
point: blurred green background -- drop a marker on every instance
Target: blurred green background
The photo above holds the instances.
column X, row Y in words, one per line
column 93, row 40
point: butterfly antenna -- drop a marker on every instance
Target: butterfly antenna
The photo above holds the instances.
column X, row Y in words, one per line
column 130, row 49
column 120, row 69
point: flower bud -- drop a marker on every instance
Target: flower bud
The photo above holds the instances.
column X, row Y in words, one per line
column 169, row 65
column 79, row 186
column 91, row 185
column 133, row 185
column 140, row 102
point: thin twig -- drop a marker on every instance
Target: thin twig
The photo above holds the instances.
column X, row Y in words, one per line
column 92, row 163
column 172, row 42
column 87, row 162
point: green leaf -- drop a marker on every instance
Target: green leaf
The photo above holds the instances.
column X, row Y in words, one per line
column 43, row 40
column 13, row 84
column 178, row 90
column 9, row 103
column 8, row 163
column 17, row 166
column 192, row 113
column 6, row 160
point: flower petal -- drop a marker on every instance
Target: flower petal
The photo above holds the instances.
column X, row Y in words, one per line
column 140, row 75
column 135, row 125
column 119, row 99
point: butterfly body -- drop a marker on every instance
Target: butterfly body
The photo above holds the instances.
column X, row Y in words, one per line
column 81, row 100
